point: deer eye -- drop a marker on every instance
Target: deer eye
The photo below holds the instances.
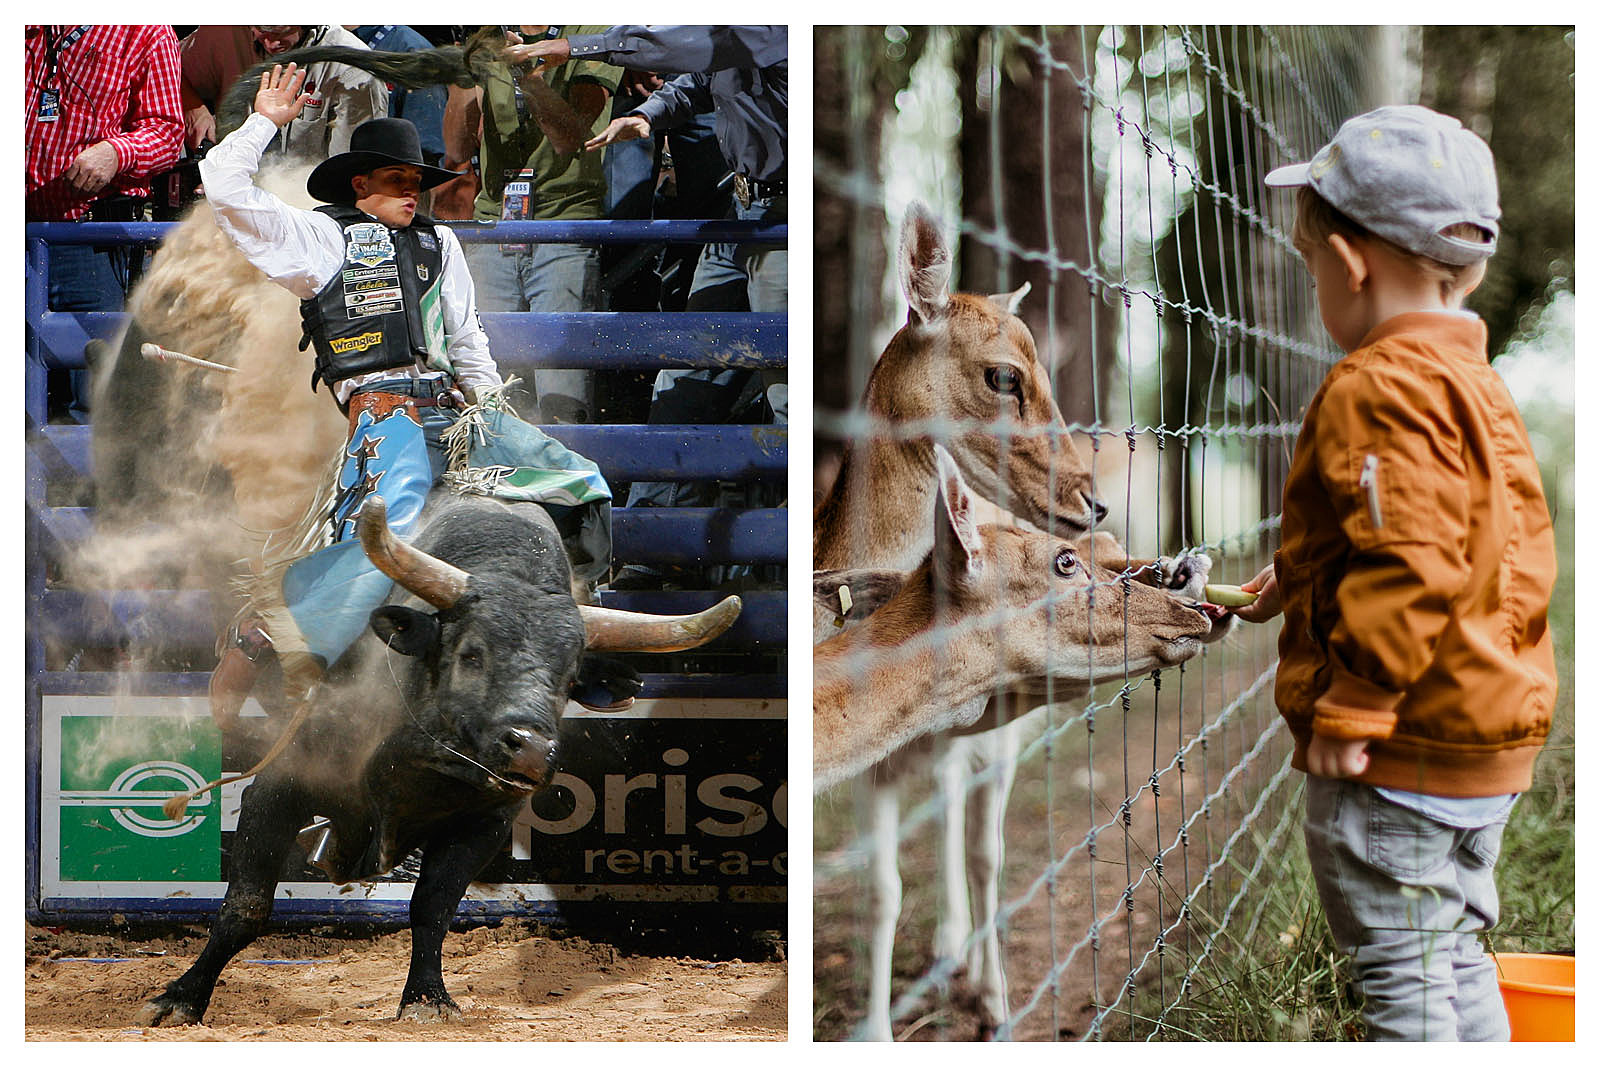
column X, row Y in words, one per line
column 1066, row 563
column 1004, row 380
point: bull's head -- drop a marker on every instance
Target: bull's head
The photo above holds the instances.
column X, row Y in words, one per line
column 501, row 654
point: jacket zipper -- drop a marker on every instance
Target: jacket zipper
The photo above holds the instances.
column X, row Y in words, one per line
column 1369, row 482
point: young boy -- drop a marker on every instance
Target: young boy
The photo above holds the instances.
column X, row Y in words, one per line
column 1416, row 670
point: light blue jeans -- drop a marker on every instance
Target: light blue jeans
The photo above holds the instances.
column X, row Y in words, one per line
column 1406, row 897
column 548, row 277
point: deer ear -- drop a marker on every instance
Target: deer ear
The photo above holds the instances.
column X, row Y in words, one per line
column 956, row 540
column 924, row 264
column 1010, row 302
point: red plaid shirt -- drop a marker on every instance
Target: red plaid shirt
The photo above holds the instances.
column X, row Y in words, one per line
column 117, row 84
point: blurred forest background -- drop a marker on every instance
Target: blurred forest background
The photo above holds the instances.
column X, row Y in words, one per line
column 905, row 111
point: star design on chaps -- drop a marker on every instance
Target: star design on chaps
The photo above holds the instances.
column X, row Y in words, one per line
column 366, row 450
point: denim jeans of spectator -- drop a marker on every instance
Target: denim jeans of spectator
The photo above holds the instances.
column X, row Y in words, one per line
column 84, row 279
column 729, row 277
column 1406, row 897
column 660, row 280
column 545, row 277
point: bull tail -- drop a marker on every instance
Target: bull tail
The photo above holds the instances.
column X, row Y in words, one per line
column 464, row 65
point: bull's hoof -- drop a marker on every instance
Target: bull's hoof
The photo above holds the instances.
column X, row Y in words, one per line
column 430, row 1011
column 165, row 1011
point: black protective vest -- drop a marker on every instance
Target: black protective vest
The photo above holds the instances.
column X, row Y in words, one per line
column 369, row 316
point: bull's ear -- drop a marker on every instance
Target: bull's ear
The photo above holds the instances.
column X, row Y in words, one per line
column 405, row 630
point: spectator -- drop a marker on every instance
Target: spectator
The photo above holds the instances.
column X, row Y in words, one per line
column 678, row 175
column 741, row 74
column 102, row 116
column 342, row 96
column 531, row 128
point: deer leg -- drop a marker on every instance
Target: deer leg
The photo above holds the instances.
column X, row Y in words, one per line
column 985, row 860
column 951, row 773
column 879, row 804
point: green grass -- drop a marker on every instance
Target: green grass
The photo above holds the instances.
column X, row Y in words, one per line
column 1289, row 982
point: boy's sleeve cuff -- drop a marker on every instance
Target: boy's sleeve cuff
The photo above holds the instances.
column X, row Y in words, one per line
column 1354, row 709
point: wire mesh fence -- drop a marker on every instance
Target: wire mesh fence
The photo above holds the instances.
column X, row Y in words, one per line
column 1078, row 871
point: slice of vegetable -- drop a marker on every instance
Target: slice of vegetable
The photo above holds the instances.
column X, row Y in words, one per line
column 1229, row 596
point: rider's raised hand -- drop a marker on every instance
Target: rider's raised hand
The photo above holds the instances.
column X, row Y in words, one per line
column 279, row 97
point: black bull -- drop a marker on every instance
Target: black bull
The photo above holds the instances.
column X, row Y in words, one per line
column 431, row 733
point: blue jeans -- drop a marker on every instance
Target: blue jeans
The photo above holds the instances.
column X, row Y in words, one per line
column 549, row 277
column 727, row 278
column 83, row 279
column 1406, row 897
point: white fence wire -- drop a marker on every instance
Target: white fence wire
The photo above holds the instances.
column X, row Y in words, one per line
column 1183, row 342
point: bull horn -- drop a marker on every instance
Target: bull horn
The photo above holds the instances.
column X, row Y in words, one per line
column 433, row 580
column 610, row 630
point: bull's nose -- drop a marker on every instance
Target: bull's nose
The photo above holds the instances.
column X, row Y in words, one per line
column 529, row 754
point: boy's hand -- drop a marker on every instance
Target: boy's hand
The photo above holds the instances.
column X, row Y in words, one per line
column 1327, row 758
column 1267, row 605
column 279, row 97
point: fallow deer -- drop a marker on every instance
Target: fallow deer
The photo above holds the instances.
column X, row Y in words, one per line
column 965, row 365
column 990, row 607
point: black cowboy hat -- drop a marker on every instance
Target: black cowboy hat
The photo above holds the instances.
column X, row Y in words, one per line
column 373, row 144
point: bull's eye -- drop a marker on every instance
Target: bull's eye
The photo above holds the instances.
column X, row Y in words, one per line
column 471, row 658
column 1066, row 563
column 1003, row 379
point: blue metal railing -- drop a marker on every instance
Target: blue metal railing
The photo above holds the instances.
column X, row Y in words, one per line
column 92, row 619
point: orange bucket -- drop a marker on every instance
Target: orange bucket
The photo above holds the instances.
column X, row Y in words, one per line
column 1539, row 995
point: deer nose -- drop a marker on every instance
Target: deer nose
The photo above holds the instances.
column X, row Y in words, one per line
column 529, row 754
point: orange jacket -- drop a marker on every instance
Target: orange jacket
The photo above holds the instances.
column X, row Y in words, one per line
column 1417, row 564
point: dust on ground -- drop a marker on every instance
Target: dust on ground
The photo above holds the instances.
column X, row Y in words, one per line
column 515, row 982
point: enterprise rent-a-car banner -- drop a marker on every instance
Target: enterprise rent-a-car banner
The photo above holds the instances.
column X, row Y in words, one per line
column 672, row 801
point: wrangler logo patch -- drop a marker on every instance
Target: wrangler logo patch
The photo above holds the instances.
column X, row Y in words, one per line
column 359, row 343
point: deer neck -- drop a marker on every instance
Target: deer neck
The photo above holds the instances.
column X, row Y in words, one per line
column 895, row 678
column 878, row 512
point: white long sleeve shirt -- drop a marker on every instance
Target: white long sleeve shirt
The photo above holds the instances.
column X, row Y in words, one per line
column 303, row 250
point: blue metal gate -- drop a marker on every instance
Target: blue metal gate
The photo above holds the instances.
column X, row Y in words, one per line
column 618, row 828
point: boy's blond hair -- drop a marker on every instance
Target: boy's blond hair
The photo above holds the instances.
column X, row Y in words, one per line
column 1315, row 220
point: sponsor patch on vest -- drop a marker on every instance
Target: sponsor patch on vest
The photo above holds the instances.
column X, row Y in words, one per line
column 422, row 272
column 368, row 243
column 358, row 343
column 426, row 240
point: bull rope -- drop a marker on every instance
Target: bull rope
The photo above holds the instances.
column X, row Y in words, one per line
column 176, row 806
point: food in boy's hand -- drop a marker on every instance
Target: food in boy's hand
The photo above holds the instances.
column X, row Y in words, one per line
column 1229, row 596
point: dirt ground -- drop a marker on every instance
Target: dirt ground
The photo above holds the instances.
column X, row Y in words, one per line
column 516, row 982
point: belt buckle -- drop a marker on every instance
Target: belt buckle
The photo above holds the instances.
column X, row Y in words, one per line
column 741, row 190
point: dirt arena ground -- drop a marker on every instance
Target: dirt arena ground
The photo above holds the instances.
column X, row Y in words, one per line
column 516, row 982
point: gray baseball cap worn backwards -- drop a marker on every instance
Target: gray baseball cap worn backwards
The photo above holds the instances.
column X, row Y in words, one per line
column 1407, row 173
